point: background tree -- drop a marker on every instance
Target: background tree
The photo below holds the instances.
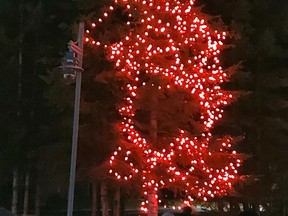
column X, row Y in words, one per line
column 97, row 114
column 261, row 115
column 29, row 51
column 268, row 86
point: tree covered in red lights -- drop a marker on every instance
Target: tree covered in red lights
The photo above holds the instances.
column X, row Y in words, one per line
column 168, row 67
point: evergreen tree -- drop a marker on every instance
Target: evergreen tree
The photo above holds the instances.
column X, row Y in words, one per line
column 169, row 77
column 97, row 114
column 261, row 115
column 267, row 132
column 30, row 32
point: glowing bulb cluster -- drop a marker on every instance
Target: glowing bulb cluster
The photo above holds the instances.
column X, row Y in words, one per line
column 177, row 45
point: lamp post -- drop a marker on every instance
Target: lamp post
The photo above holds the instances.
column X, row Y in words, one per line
column 72, row 72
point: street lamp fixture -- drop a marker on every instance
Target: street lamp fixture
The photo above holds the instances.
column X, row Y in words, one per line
column 71, row 70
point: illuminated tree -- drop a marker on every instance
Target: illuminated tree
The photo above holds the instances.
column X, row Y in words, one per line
column 169, row 72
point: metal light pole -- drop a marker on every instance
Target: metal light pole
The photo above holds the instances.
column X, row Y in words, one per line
column 72, row 72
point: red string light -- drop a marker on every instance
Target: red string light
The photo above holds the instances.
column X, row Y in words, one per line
column 173, row 30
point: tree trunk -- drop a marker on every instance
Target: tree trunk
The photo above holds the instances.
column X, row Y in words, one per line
column 116, row 203
column 152, row 194
column 18, row 113
column 26, row 195
column 246, row 206
column 220, row 206
column 153, row 118
column 104, row 199
column 37, row 199
column 20, row 65
column 234, row 206
column 255, row 208
column 15, row 192
column 94, row 199
column 284, row 207
column 152, row 203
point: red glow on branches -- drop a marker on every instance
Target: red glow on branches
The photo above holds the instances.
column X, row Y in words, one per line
column 178, row 34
